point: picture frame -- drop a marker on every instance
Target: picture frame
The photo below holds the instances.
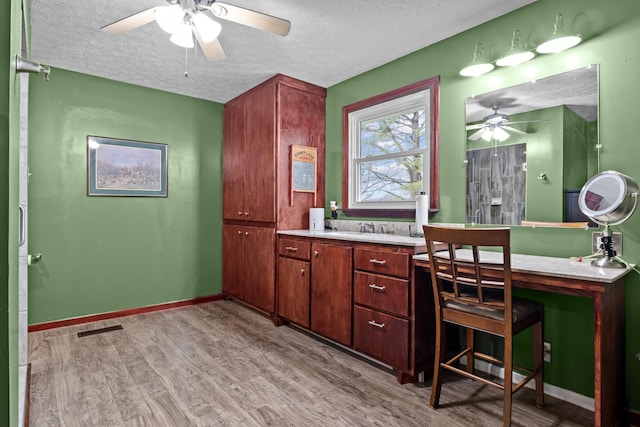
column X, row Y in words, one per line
column 303, row 170
column 120, row 167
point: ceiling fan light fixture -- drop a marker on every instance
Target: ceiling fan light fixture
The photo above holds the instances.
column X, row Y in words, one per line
column 169, row 17
column 495, row 134
column 183, row 36
column 207, row 27
column 517, row 55
column 479, row 66
column 560, row 40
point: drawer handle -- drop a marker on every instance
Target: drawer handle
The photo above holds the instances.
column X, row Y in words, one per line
column 378, row 261
column 291, row 248
column 377, row 288
column 373, row 323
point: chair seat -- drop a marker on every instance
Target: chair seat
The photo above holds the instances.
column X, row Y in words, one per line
column 522, row 309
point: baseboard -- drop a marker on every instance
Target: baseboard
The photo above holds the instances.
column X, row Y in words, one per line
column 577, row 399
column 121, row 313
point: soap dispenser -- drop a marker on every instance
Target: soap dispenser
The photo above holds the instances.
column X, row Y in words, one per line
column 334, row 209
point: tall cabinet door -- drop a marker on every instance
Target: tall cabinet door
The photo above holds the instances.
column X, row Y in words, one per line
column 331, row 291
column 260, row 267
column 233, row 161
column 233, row 260
column 260, row 156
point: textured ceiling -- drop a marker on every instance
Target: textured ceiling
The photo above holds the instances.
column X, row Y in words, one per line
column 330, row 41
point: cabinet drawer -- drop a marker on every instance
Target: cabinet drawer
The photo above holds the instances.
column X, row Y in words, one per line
column 385, row 262
column 382, row 292
column 382, row 336
column 294, row 248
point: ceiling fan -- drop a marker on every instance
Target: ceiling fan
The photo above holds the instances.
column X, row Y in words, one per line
column 495, row 126
column 182, row 18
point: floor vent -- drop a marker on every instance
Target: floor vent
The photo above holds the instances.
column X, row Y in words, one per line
column 99, row 331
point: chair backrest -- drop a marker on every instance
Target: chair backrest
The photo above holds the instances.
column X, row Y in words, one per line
column 470, row 280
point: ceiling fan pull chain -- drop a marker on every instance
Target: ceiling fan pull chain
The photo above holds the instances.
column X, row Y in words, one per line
column 186, row 62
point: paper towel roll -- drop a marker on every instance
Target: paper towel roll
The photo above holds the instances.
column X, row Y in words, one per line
column 316, row 219
column 422, row 211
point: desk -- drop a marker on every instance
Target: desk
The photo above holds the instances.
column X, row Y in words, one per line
column 606, row 288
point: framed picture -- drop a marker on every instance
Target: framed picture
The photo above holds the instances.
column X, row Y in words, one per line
column 119, row 167
column 303, row 170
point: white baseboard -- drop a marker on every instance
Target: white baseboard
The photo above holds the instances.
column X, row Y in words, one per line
column 584, row 402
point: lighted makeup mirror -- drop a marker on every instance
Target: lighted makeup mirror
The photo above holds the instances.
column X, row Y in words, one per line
column 608, row 198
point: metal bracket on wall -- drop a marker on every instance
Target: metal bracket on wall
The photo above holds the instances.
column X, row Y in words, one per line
column 616, row 239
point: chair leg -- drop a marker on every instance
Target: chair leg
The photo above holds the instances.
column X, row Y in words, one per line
column 439, row 357
column 508, row 380
column 538, row 348
column 472, row 349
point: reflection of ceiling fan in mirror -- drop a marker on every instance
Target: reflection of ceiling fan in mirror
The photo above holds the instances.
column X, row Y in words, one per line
column 184, row 19
column 495, row 126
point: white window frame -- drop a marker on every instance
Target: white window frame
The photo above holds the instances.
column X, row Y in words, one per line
column 392, row 107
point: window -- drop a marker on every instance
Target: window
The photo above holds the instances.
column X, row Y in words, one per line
column 390, row 151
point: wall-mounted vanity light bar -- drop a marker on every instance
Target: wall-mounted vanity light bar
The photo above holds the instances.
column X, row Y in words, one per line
column 517, row 55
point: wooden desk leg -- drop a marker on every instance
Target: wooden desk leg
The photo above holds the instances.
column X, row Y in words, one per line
column 609, row 355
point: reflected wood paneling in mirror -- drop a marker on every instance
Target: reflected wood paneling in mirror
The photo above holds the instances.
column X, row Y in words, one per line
column 554, row 121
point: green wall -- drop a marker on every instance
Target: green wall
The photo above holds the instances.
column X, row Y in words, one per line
column 102, row 254
column 607, row 29
column 10, row 23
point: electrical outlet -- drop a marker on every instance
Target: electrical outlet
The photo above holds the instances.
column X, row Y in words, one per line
column 616, row 238
column 546, row 352
column 638, row 356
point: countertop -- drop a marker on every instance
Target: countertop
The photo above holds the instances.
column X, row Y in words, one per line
column 547, row 266
column 354, row 236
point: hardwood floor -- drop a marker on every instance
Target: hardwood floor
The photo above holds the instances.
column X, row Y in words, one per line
column 222, row 364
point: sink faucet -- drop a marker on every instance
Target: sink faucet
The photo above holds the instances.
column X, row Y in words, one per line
column 367, row 225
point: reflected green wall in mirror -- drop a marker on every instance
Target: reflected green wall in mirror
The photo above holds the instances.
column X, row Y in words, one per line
column 561, row 146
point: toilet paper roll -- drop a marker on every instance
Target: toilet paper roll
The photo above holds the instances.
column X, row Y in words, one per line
column 316, row 219
column 422, row 212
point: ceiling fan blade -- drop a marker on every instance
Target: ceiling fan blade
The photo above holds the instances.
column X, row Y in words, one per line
column 131, row 22
column 477, row 135
column 514, row 130
column 478, row 126
column 213, row 50
column 251, row 18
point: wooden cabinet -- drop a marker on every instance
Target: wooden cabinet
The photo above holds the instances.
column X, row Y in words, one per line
column 260, row 126
column 331, row 300
column 294, row 279
column 363, row 296
column 382, row 305
column 248, row 264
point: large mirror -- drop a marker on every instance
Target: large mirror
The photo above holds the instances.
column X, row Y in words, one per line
column 531, row 148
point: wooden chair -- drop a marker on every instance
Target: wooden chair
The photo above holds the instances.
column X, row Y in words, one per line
column 477, row 296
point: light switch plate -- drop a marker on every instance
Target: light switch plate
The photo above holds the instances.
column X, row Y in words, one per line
column 616, row 238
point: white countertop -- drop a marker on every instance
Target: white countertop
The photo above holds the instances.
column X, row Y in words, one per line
column 354, row 236
column 548, row 266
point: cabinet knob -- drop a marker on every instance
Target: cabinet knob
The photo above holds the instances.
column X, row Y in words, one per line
column 239, row 232
column 240, row 213
column 302, row 271
column 246, row 233
column 316, row 253
column 247, row 213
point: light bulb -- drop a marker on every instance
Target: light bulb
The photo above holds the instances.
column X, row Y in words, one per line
column 207, row 27
column 169, row 17
column 182, row 36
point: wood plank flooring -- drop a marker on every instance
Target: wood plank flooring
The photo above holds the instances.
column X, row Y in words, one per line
column 222, row 364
